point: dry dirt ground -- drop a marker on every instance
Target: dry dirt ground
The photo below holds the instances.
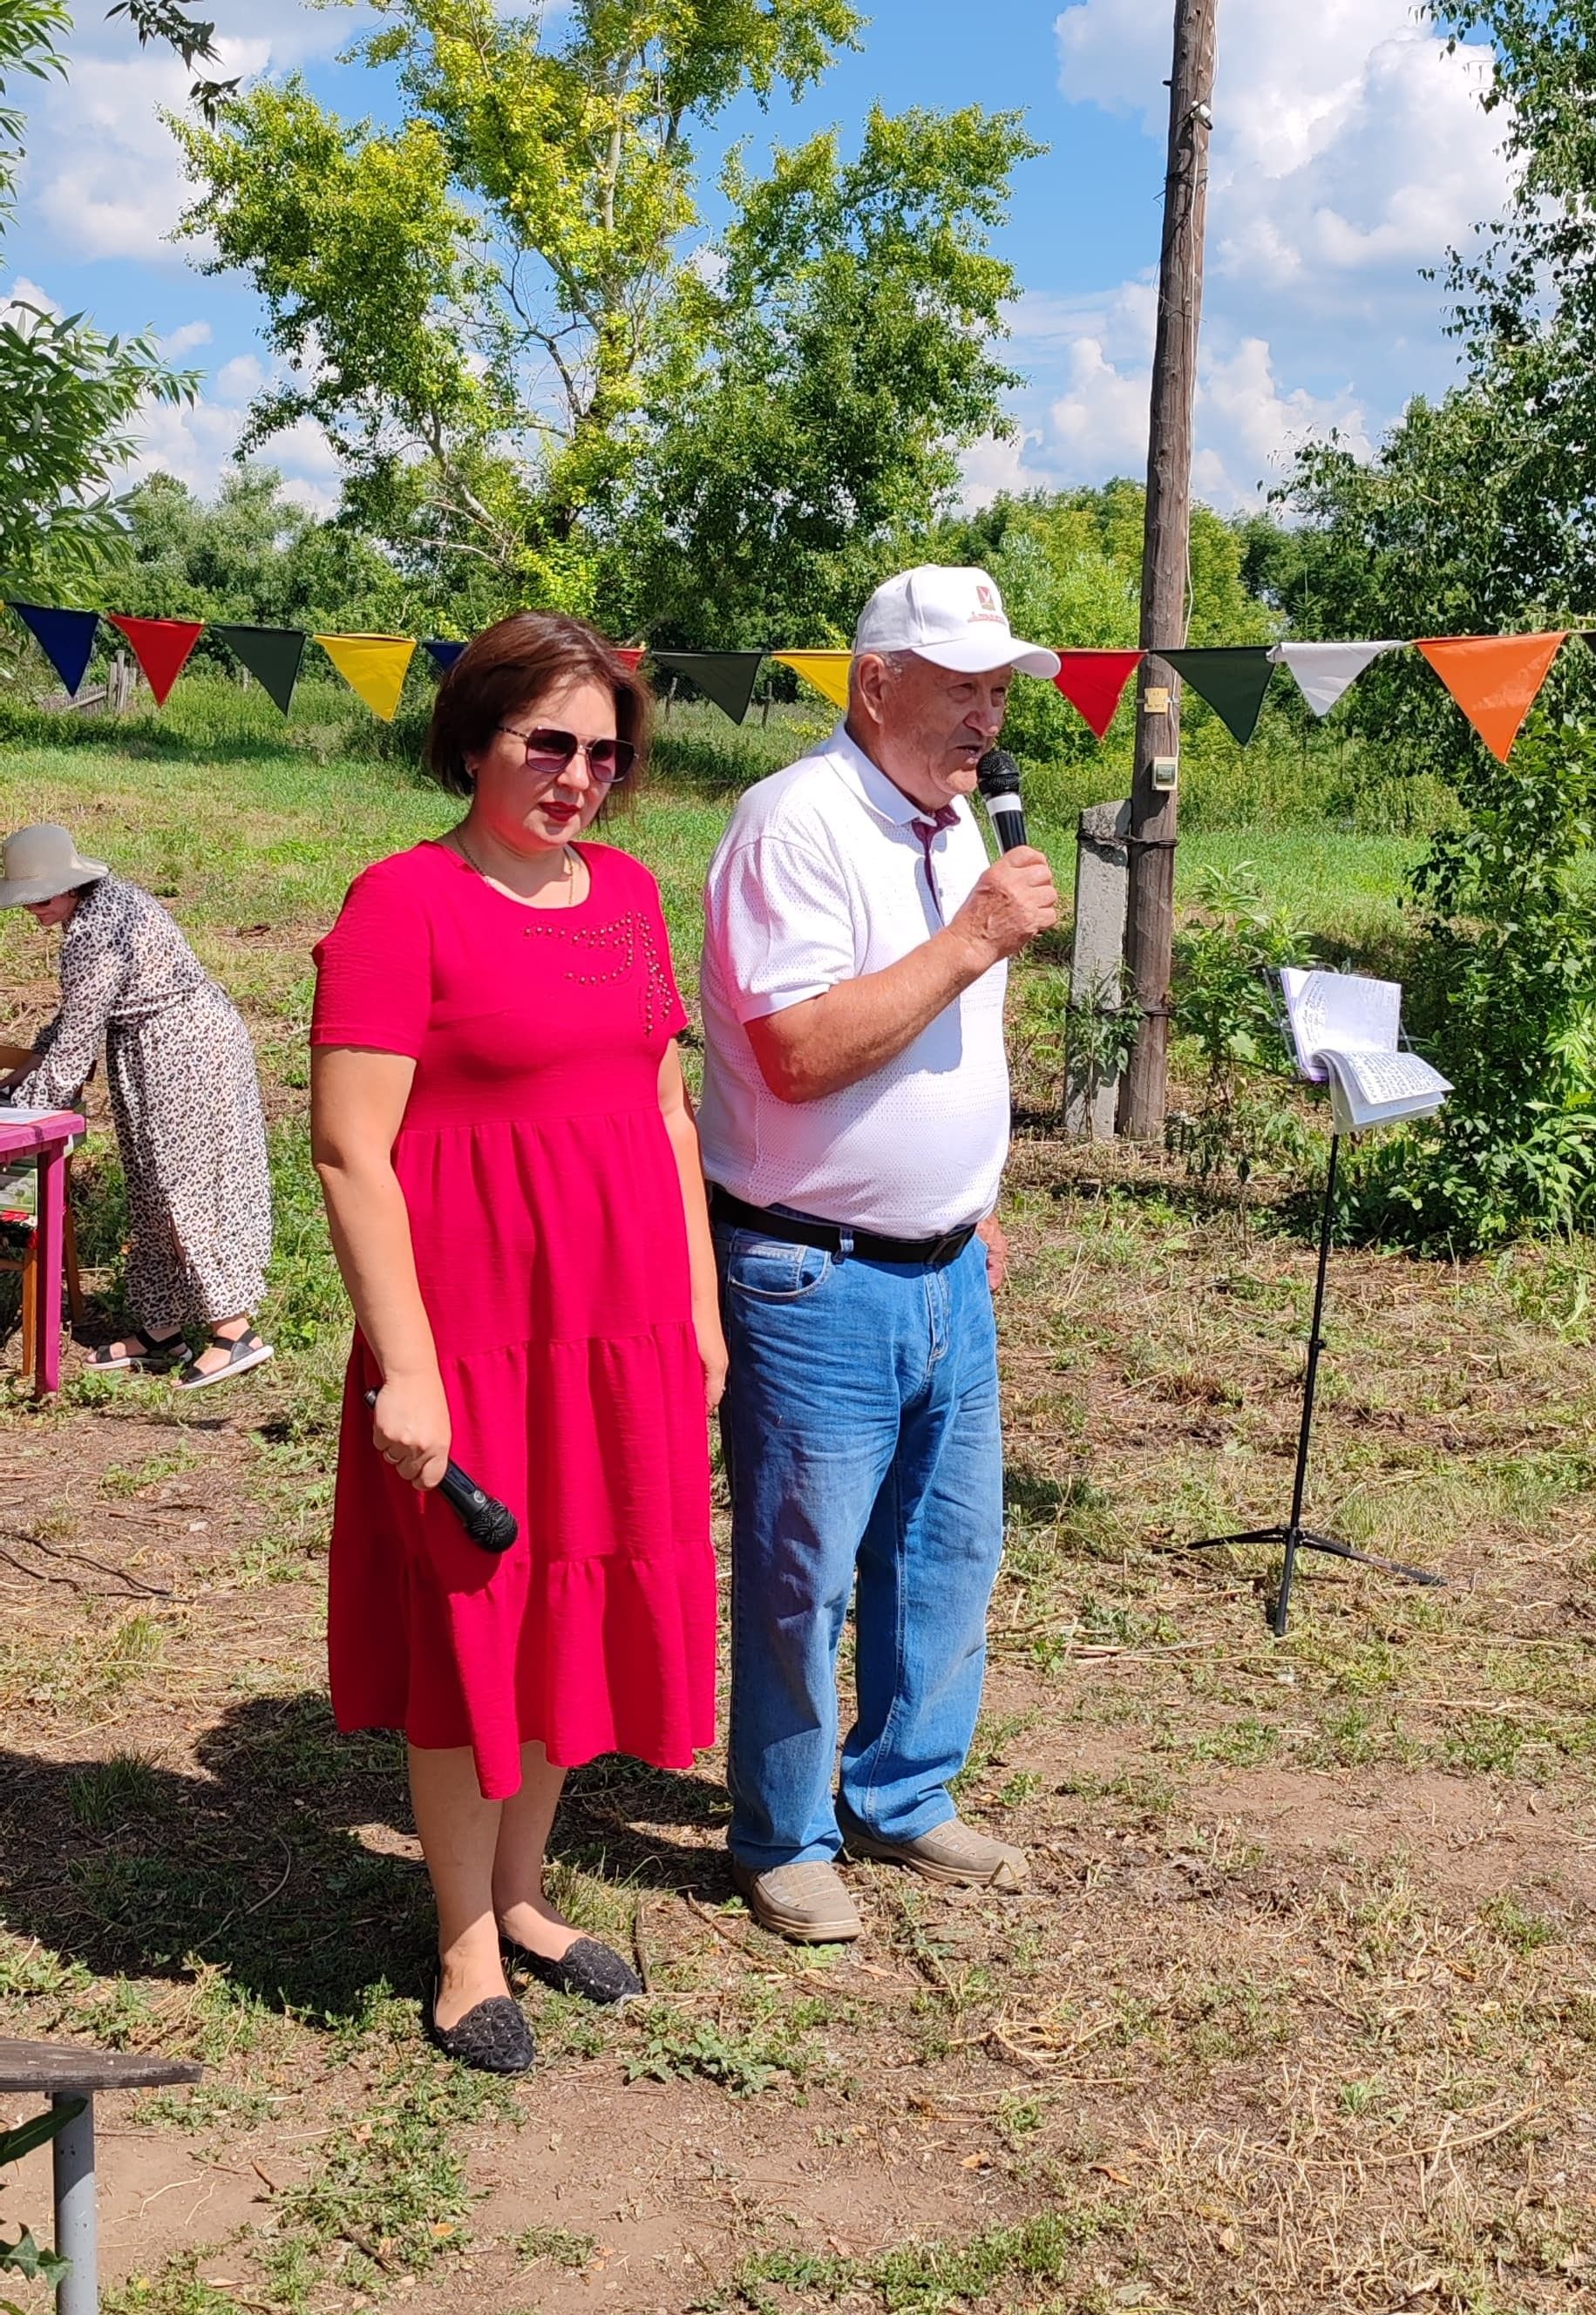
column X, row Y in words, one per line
column 1298, row 2012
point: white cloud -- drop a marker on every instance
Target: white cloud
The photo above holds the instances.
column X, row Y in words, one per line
column 1350, row 150
column 196, row 441
column 24, row 301
column 184, row 338
column 1096, row 355
column 106, row 179
column 104, row 175
column 240, row 379
column 990, row 467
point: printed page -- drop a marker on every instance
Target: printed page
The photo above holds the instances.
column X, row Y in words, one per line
column 9, row 1116
column 1369, row 1089
column 1382, row 1078
column 1345, row 1011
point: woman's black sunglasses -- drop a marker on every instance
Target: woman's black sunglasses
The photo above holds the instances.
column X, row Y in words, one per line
column 607, row 760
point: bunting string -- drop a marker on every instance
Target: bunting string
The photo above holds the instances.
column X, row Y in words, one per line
column 1495, row 680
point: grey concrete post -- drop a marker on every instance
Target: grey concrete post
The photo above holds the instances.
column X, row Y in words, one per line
column 1101, row 886
column 76, row 2232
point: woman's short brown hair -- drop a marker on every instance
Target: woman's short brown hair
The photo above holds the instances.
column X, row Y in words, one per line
column 507, row 669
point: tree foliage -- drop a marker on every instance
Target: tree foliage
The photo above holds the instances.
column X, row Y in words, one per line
column 543, row 380
column 1473, row 516
column 1506, row 996
column 252, row 554
column 69, row 392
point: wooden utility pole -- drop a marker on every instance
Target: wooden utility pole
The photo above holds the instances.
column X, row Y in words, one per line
column 1149, row 923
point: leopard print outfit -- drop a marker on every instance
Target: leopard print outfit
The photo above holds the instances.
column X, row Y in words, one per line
column 184, row 1098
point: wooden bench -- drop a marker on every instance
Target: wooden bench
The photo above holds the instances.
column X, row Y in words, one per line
column 64, row 2073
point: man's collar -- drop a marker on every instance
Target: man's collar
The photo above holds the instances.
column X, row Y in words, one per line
column 868, row 781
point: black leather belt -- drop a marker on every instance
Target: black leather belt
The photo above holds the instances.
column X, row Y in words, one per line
column 804, row 1229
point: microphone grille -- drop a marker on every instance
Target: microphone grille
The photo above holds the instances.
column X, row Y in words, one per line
column 997, row 774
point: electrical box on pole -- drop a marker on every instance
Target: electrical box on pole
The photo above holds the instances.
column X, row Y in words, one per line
column 1149, row 923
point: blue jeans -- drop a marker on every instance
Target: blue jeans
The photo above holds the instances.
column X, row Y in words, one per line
column 861, row 1430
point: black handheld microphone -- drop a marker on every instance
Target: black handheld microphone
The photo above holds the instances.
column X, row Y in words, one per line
column 485, row 1519
column 997, row 777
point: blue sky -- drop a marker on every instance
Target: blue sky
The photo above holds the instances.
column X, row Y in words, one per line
column 1349, row 152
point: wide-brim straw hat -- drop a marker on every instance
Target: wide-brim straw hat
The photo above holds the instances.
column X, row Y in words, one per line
column 41, row 862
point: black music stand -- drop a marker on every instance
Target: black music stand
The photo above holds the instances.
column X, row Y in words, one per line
column 1293, row 1535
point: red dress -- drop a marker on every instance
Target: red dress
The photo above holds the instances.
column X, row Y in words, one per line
column 546, row 1215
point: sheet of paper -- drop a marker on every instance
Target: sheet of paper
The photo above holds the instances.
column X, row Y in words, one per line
column 1380, row 1078
column 9, row 1116
column 1343, row 1012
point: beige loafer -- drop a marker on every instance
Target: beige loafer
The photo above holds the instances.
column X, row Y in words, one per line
column 806, row 1903
column 952, row 1853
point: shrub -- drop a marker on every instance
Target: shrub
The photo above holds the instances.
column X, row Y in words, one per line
column 1505, row 1005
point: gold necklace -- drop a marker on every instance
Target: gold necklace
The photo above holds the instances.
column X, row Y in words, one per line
column 567, row 870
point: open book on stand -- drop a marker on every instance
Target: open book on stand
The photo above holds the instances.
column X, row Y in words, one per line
column 1348, row 1029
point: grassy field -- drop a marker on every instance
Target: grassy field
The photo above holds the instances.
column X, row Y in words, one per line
column 1299, row 2011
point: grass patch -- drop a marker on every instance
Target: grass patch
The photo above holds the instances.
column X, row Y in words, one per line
column 929, row 2278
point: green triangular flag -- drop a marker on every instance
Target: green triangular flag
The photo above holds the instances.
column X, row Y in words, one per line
column 728, row 677
column 272, row 655
column 1232, row 680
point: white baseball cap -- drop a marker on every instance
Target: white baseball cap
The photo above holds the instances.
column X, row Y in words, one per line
column 954, row 618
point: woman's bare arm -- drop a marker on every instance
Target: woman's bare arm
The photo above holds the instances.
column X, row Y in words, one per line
column 676, row 1107
column 357, row 1103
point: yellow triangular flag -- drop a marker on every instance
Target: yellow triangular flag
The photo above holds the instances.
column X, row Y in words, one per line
column 827, row 670
column 373, row 666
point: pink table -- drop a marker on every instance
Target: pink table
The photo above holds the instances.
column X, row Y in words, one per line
column 45, row 1138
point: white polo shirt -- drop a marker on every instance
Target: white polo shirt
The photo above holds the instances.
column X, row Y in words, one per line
column 820, row 878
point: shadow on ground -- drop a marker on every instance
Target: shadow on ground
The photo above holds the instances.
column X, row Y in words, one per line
column 268, row 1861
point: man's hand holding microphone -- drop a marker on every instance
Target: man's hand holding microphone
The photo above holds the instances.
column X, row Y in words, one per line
column 1017, row 899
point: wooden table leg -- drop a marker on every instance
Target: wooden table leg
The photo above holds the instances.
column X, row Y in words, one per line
column 48, row 1247
column 78, row 2226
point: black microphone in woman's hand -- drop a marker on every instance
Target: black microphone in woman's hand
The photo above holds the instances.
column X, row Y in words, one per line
column 997, row 777
column 485, row 1519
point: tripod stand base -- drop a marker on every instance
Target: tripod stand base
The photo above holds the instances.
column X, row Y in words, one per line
column 1294, row 1539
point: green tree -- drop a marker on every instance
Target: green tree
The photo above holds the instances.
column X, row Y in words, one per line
column 1506, row 999
column 252, row 554
column 69, row 392
column 542, row 381
column 851, row 331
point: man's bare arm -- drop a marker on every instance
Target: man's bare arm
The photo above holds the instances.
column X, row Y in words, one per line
column 828, row 1042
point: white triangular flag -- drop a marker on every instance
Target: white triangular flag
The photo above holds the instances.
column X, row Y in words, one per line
column 1325, row 671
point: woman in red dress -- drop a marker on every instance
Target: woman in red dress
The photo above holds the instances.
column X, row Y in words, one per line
column 511, row 1176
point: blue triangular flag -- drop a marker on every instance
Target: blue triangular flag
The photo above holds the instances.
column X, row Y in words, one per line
column 65, row 637
column 446, row 654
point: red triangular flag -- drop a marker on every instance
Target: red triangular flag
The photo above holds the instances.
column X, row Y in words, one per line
column 1094, row 682
column 633, row 657
column 1495, row 679
column 161, row 647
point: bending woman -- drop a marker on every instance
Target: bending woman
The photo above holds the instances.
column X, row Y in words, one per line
column 184, row 1099
column 511, row 1176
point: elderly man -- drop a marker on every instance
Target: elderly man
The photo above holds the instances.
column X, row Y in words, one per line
column 854, row 1128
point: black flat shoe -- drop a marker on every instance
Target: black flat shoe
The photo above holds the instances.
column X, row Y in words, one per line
column 494, row 2037
column 585, row 1968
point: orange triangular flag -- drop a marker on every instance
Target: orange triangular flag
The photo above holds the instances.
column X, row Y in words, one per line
column 1495, row 679
column 161, row 647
